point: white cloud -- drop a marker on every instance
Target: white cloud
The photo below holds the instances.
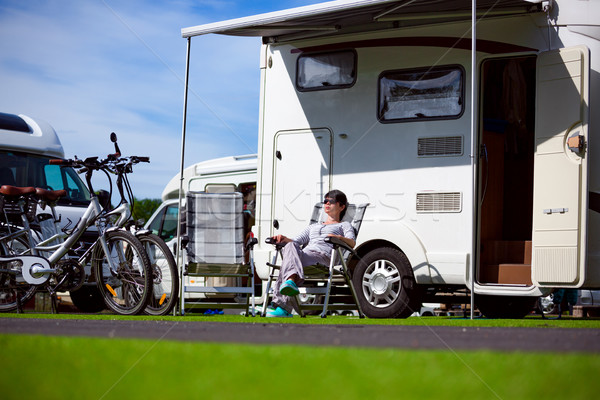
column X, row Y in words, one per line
column 93, row 67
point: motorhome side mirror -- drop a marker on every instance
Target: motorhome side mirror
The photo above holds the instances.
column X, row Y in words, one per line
column 113, row 137
column 275, row 224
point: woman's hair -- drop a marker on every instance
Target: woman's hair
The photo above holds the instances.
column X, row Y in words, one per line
column 339, row 197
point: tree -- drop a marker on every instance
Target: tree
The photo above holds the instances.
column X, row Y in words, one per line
column 143, row 209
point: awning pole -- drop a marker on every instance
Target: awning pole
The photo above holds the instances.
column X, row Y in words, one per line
column 474, row 141
column 185, row 100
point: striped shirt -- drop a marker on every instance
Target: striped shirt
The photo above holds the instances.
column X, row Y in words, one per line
column 313, row 236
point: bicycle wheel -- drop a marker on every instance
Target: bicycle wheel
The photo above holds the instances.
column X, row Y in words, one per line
column 127, row 286
column 165, row 277
column 12, row 285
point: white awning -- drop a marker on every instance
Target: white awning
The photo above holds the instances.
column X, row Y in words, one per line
column 344, row 16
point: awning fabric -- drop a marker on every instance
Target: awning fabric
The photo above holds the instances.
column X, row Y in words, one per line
column 338, row 17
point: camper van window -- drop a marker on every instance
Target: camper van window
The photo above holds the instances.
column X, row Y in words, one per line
column 32, row 170
column 326, row 70
column 426, row 93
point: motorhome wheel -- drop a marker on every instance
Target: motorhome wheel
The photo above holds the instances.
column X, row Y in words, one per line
column 505, row 306
column 383, row 281
column 88, row 299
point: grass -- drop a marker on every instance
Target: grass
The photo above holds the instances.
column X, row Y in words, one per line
column 529, row 322
column 90, row 368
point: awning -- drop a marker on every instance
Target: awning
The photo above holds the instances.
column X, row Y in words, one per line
column 343, row 16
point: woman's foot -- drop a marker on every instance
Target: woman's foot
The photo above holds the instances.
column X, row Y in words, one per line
column 289, row 288
column 279, row 313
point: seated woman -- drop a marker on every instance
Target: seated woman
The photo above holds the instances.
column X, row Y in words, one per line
column 309, row 248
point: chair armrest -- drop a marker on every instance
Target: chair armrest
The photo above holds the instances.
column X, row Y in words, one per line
column 272, row 241
column 337, row 242
column 185, row 239
column 251, row 242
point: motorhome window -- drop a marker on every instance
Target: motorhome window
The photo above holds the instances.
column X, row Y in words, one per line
column 32, row 170
column 326, row 70
column 427, row 93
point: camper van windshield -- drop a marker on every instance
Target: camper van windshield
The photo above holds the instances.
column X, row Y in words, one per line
column 22, row 169
column 421, row 94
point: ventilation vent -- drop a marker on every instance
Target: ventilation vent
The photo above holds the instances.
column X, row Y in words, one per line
column 439, row 202
column 440, row 146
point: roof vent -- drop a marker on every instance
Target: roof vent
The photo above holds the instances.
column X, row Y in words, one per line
column 439, row 202
column 440, row 146
column 11, row 122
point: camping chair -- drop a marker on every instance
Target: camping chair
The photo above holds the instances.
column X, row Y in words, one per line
column 215, row 247
column 320, row 279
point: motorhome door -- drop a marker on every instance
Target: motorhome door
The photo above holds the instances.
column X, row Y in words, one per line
column 302, row 168
column 560, row 168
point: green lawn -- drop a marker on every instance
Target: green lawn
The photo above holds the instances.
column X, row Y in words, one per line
column 90, row 368
column 529, row 322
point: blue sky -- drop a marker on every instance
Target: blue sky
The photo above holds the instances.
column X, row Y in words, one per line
column 91, row 67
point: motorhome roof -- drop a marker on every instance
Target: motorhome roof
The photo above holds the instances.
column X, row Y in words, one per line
column 22, row 133
column 342, row 16
column 227, row 164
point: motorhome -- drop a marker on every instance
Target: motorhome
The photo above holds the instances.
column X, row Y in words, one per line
column 26, row 145
column 233, row 173
column 467, row 128
column 226, row 174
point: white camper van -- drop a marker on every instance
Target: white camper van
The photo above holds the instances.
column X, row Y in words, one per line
column 226, row 174
column 26, row 145
column 474, row 151
column 234, row 173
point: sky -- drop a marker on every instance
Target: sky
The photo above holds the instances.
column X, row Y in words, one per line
column 92, row 67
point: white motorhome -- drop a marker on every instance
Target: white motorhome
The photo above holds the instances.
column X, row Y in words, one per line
column 233, row 173
column 473, row 150
column 229, row 174
column 26, row 145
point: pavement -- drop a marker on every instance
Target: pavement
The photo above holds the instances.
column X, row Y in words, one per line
column 379, row 336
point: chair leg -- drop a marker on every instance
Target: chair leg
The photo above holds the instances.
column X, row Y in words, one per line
column 297, row 307
column 352, row 291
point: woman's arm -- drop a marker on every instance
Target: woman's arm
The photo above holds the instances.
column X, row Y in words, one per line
column 348, row 236
column 348, row 241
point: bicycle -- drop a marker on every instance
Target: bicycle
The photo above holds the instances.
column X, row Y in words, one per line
column 19, row 209
column 120, row 265
column 165, row 276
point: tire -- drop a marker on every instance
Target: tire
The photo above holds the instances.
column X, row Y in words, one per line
column 383, row 281
column 507, row 307
column 88, row 299
column 165, row 276
column 125, row 291
column 10, row 288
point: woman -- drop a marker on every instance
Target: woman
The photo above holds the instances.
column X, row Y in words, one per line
column 309, row 248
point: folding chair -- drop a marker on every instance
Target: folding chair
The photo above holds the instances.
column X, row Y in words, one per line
column 321, row 279
column 215, row 247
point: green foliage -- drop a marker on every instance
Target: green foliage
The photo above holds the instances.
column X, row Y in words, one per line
column 143, row 209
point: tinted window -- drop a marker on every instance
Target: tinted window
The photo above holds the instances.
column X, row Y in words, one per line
column 169, row 228
column 326, row 70
column 435, row 93
column 22, row 169
column 165, row 223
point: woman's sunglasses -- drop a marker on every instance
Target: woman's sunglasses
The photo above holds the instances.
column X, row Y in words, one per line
column 329, row 201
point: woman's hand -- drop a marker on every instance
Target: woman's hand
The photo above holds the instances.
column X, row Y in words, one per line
column 348, row 241
column 281, row 239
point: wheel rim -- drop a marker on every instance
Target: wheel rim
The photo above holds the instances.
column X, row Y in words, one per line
column 381, row 283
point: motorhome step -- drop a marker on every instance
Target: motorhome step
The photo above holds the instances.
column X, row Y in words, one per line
column 506, row 274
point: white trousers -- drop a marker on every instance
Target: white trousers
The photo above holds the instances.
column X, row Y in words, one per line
column 293, row 261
